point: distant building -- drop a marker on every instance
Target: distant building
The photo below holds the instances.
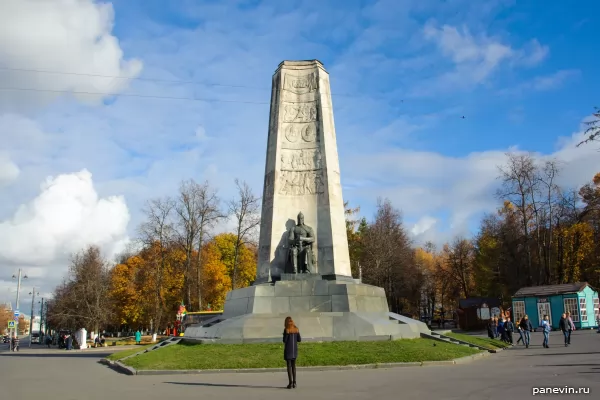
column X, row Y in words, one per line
column 36, row 324
column 580, row 299
column 475, row 312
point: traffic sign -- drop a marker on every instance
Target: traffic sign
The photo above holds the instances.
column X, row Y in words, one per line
column 11, row 324
column 16, row 319
column 17, row 313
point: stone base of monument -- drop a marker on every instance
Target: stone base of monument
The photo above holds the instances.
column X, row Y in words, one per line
column 323, row 310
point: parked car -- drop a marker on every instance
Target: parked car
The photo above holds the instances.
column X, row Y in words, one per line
column 35, row 338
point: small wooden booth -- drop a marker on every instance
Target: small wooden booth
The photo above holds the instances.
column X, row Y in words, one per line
column 579, row 298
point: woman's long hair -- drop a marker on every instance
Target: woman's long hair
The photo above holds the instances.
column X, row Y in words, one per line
column 290, row 326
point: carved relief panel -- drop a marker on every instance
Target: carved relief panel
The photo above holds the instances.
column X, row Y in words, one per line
column 300, row 112
column 301, row 84
column 300, row 133
column 299, row 183
column 300, row 160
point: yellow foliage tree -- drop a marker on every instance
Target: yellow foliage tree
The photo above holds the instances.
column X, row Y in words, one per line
column 246, row 272
column 576, row 244
column 124, row 292
column 159, row 282
column 215, row 280
column 5, row 316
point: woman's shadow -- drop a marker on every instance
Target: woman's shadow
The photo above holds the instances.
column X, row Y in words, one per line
column 224, row 385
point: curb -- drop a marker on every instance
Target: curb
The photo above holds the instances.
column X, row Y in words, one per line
column 118, row 366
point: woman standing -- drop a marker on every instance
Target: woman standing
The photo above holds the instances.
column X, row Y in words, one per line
column 571, row 327
column 138, row 337
column 291, row 337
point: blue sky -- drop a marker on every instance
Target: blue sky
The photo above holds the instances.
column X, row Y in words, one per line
column 403, row 75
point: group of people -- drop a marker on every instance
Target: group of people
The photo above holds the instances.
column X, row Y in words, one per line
column 502, row 328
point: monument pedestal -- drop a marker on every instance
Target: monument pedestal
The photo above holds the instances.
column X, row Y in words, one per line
column 323, row 310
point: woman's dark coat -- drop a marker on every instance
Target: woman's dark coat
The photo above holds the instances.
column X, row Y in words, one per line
column 490, row 329
column 525, row 324
column 290, row 348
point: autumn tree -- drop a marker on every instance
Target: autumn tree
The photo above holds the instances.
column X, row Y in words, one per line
column 197, row 209
column 215, row 278
column 22, row 326
column 519, row 184
column 593, row 128
column 459, row 257
column 425, row 261
column 245, row 210
column 5, row 316
column 125, row 291
column 83, row 300
column 355, row 229
column 387, row 256
column 157, row 234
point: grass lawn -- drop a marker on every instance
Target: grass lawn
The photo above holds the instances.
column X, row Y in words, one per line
column 233, row 356
column 125, row 353
column 491, row 344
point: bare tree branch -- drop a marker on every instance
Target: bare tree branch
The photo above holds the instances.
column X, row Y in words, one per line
column 245, row 208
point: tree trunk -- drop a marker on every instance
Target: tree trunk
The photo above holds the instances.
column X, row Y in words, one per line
column 200, row 240
column 235, row 263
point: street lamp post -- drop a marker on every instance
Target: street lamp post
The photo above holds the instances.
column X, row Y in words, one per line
column 42, row 333
column 18, row 277
column 31, row 317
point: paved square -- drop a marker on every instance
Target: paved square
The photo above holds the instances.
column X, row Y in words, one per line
column 37, row 373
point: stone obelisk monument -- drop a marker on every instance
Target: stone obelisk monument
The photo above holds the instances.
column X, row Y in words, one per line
column 302, row 174
column 303, row 264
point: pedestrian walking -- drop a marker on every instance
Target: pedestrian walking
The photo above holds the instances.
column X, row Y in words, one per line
column 521, row 339
column 565, row 328
column 138, row 337
column 526, row 328
column 490, row 329
column 495, row 325
column 509, row 328
column 571, row 326
column 291, row 338
column 502, row 330
column 546, row 328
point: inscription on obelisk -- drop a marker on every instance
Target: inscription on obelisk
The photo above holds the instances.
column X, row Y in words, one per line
column 302, row 173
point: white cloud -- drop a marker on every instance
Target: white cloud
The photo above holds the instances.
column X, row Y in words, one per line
column 480, row 55
column 475, row 57
column 532, row 54
column 425, row 184
column 65, row 217
column 61, row 36
column 424, row 224
column 544, row 82
column 9, row 171
column 200, row 134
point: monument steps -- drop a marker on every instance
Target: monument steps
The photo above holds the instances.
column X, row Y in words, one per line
column 443, row 338
column 160, row 345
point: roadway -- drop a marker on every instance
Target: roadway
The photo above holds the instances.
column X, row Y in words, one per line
column 38, row 372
